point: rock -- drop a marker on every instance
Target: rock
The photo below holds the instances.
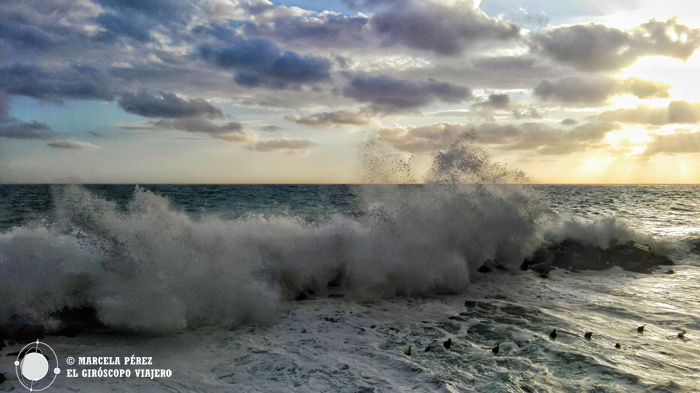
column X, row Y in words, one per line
column 670, row 271
column 2, row 378
column 484, row 269
column 301, row 296
column 575, row 256
column 541, row 255
column 25, row 333
column 76, row 320
column 542, row 268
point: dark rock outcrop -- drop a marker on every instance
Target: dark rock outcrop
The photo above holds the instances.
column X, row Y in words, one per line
column 76, row 320
column 573, row 255
column 71, row 322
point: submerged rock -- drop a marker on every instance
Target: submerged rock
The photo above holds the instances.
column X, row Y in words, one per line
column 573, row 255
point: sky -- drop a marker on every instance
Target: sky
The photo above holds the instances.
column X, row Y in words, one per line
column 259, row 91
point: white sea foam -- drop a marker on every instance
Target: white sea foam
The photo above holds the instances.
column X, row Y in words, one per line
column 152, row 268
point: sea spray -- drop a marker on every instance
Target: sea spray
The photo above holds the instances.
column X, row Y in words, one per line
column 151, row 268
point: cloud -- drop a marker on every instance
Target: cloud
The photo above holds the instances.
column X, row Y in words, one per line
column 283, row 145
column 676, row 112
column 536, row 137
column 325, row 29
column 259, row 62
column 495, row 101
column 230, row 131
column 569, row 122
column 165, row 104
column 270, row 128
column 543, row 139
column 437, row 26
column 421, row 140
column 13, row 128
column 72, row 144
column 596, row 90
column 333, row 119
column 595, row 47
column 645, row 89
column 136, row 18
column 98, row 135
column 675, row 143
column 389, row 95
column 76, row 82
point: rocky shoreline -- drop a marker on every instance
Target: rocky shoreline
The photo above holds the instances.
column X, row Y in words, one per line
column 575, row 256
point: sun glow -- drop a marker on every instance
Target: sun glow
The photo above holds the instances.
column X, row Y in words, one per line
column 683, row 76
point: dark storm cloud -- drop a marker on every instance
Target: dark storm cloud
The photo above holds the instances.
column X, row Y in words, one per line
column 596, row 90
column 165, row 104
column 136, row 18
column 283, row 145
column 388, row 94
column 72, row 145
column 132, row 25
column 16, row 129
column 437, row 27
column 77, row 82
column 333, row 119
column 25, row 37
column 13, row 128
column 676, row 112
column 675, row 143
column 164, row 10
column 259, row 62
column 536, row 137
column 38, row 27
column 596, row 47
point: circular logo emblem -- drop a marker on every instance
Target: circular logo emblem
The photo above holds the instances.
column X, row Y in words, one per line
column 32, row 366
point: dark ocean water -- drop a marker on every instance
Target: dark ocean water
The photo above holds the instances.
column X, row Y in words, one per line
column 661, row 210
column 221, row 264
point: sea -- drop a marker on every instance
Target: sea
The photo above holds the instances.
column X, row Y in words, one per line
column 324, row 288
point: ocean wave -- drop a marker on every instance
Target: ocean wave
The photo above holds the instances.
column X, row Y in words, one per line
column 152, row 268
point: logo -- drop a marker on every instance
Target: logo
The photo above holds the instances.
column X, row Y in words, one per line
column 32, row 366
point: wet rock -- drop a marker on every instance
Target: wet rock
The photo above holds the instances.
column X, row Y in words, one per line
column 575, row 256
column 670, row 271
column 541, row 256
column 484, row 269
column 2, row 378
column 76, row 320
column 301, row 296
column 542, row 268
column 24, row 333
column 470, row 303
